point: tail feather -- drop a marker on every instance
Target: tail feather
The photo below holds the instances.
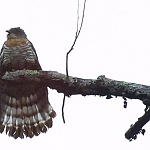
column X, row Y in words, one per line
column 28, row 132
column 36, row 130
column 49, row 123
column 28, row 116
column 7, row 116
column 18, row 133
column 10, row 130
column 2, row 127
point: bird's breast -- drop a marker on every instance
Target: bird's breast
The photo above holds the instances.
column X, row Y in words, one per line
column 18, row 54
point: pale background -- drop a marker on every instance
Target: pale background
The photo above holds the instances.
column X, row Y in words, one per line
column 114, row 41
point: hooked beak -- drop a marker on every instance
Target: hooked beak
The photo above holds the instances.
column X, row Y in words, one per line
column 7, row 31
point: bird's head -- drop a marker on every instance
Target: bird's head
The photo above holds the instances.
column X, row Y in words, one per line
column 16, row 33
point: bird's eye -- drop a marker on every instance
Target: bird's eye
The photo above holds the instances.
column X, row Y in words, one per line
column 17, row 32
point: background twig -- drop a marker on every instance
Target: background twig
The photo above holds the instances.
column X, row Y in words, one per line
column 72, row 47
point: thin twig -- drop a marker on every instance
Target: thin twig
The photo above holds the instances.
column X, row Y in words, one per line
column 72, row 47
column 82, row 18
column 77, row 18
column 63, row 108
column 76, row 37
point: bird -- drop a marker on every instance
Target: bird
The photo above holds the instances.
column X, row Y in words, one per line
column 25, row 110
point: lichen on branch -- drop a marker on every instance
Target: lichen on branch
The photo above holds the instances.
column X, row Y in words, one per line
column 101, row 86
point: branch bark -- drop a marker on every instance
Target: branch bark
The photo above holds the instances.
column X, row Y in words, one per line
column 101, row 86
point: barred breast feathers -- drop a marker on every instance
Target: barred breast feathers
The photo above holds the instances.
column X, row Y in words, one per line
column 20, row 54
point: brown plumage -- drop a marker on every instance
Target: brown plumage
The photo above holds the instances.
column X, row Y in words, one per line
column 25, row 109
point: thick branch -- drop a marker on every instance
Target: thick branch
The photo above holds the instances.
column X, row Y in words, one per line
column 101, row 86
column 135, row 129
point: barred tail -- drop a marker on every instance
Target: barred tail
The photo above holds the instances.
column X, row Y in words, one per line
column 27, row 115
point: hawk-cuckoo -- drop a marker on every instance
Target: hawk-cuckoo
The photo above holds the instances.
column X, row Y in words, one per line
column 25, row 109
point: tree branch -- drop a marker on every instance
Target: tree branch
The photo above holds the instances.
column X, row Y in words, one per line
column 101, row 86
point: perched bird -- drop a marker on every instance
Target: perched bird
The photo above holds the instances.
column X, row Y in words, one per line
column 25, row 109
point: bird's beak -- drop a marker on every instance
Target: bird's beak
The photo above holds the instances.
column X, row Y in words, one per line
column 7, row 31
